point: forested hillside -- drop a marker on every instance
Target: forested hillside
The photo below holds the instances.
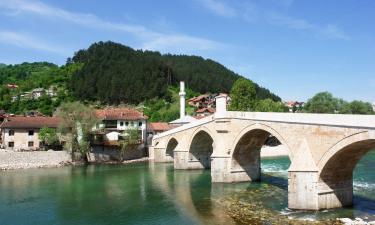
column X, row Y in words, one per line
column 114, row 73
column 108, row 73
column 27, row 76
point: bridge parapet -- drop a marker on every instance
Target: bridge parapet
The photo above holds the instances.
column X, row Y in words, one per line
column 340, row 120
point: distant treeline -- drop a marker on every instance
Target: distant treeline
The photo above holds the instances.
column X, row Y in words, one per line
column 113, row 73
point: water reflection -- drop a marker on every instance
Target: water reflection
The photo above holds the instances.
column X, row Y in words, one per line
column 157, row 194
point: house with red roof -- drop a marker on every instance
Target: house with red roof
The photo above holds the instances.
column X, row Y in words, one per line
column 115, row 122
column 22, row 132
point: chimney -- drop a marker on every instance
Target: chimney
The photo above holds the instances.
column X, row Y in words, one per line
column 221, row 106
column 182, row 99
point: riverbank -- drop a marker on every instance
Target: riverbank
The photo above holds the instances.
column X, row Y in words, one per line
column 38, row 159
column 274, row 151
column 43, row 159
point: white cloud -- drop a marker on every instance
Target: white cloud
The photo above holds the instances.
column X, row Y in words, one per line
column 149, row 38
column 250, row 12
column 218, row 7
column 29, row 42
column 328, row 31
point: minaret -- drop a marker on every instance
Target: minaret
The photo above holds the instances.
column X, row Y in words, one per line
column 182, row 99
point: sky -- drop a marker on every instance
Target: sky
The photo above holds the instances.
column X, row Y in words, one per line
column 295, row 48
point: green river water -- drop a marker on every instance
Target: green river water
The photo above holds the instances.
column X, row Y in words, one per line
column 149, row 193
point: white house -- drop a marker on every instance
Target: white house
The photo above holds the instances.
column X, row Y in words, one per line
column 116, row 121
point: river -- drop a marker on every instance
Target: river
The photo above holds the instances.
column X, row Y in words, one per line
column 149, row 193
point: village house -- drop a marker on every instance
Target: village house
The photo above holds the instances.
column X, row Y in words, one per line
column 115, row 122
column 157, row 128
column 37, row 93
column 294, row 106
column 12, row 86
column 21, row 132
column 202, row 101
column 205, row 104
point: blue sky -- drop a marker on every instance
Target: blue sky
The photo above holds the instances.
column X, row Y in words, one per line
column 295, row 48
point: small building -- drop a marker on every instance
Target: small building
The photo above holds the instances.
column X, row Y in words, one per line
column 157, row 128
column 12, row 86
column 37, row 93
column 294, row 106
column 21, row 132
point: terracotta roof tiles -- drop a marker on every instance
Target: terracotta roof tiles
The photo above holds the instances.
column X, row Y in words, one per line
column 120, row 114
column 30, row 122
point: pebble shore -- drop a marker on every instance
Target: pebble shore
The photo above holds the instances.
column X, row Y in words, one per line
column 38, row 159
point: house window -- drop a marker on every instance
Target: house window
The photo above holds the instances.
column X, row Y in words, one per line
column 126, row 123
column 31, row 133
column 11, row 144
column 121, row 123
column 11, row 133
column 140, row 124
column 31, row 144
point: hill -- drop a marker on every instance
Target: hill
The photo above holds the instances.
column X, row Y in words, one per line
column 108, row 73
column 114, row 73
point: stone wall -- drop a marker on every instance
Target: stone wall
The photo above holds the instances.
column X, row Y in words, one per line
column 35, row 159
column 107, row 154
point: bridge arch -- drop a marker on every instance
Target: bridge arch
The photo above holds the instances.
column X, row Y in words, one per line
column 245, row 154
column 170, row 147
column 201, row 147
column 336, row 169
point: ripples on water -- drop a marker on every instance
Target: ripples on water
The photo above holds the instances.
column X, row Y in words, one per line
column 156, row 194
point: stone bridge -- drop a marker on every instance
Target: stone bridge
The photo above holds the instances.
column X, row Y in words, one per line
column 323, row 149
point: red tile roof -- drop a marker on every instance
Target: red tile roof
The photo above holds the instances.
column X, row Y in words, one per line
column 30, row 122
column 120, row 114
column 159, row 126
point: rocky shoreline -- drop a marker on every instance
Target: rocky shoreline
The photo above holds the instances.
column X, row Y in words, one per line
column 10, row 160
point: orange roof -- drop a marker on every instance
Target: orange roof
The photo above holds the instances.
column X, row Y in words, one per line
column 120, row 114
column 30, row 122
column 159, row 126
column 198, row 98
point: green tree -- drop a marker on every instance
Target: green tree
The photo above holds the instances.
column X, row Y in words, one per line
column 243, row 95
column 267, row 105
column 323, row 102
column 360, row 107
column 129, row 139
column 77, row 123
column 48, row 136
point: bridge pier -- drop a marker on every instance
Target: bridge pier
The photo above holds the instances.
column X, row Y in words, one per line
column 220, row 169
column 302, row 190
column 181, row 158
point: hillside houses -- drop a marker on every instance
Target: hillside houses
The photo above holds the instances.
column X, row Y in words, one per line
column 205, row 105
column 36, row 93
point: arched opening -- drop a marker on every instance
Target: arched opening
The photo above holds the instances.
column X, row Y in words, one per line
column 172, row 144
column 200, row 151
column 256, row 149
column 336, row 176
